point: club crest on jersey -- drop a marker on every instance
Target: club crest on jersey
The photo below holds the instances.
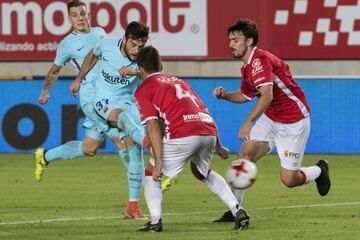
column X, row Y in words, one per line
column 257, row 67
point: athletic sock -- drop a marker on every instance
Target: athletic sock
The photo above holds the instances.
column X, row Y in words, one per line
column 135, row 171
column 153, row 197
column 124, row 156
column 218, row 185
column 127, row 124
column 67, row 151
column 239, row 194
column 310, row 173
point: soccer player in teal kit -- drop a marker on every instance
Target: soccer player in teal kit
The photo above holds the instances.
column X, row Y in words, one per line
column 114, row 99
column 73, row 48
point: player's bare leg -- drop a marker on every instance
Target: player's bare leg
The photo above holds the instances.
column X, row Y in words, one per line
column 252, row 151
column 319, row 173
column 217, row 184
column 90, row 146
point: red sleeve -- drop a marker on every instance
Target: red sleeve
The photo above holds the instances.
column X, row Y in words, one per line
column 246, row 91
column 261, row 72
column 144, row 103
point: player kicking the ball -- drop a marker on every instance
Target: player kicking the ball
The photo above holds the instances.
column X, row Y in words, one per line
column 190, row 135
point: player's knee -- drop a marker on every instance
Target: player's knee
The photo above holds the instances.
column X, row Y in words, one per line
column 244, row 155
column 288, row 182
column 118, row 143
column 89, row 150
column 113, row 116
column 196, row 172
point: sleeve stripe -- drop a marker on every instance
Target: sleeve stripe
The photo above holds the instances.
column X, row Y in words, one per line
column 264, row 84
column 248, row 98
column 147, row 119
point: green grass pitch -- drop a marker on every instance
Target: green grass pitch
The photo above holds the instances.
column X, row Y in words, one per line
column 85, row 199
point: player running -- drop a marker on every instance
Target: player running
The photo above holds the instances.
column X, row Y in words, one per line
column 281, row 111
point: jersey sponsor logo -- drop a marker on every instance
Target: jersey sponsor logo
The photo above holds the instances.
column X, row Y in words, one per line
column 200, row 116
column 114, row 79
column 257, row 67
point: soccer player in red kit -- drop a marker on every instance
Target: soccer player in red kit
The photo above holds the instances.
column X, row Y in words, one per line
column 190, row 135
column 281, row 111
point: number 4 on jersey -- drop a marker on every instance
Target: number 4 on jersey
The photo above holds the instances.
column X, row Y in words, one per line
column 180, row 93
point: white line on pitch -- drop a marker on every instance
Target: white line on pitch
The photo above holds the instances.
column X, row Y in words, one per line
column 172, row 214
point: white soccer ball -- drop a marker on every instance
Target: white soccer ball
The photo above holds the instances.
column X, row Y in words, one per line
column 241, row 173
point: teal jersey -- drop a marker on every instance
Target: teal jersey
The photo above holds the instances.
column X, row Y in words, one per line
column 110, row 84
column 74, row 48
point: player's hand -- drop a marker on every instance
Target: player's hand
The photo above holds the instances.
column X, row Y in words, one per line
column 219, row 92
column 44, row 97
column 223, row 152
column 127, row 71
column 74, row 87
column 244, row 132
column 157, row 172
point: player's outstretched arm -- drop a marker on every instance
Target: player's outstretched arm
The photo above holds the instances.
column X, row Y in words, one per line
column 235, row 97
column 50, row 80
column 89, row 62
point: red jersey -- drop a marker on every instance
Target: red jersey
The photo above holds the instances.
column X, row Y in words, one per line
column 174, row 102
column 263, row 68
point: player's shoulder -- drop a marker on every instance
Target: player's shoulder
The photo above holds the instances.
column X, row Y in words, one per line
column 67, row 41
column 98, row 31
column 111, row 41
column 68, row 38
column 264, row 55
column 260, row 58
column 147, row 84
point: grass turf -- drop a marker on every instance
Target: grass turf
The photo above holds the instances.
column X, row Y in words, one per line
column 85, row 199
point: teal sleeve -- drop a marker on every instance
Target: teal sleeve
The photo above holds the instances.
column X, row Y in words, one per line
column 61, row 55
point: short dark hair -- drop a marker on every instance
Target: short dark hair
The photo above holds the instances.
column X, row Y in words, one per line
column 246, row 27
column 74, row 3
column 137, row 31
column 149, row 59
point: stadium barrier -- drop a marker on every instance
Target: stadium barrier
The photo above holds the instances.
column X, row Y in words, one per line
column 26, row 125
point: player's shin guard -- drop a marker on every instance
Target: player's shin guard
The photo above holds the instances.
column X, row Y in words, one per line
column 127, row 124
column 135, row 171
column 153, row 197
column 218, row 185
column 69, row 150
column 124, row 156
